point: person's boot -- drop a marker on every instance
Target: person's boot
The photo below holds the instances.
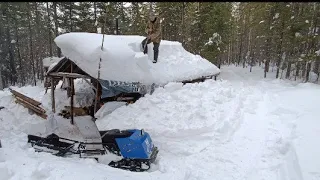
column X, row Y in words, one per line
column 155, row 59
column 144, row 46
column 145, row 51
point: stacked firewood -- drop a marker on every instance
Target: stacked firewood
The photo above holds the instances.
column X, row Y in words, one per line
column 77, row 111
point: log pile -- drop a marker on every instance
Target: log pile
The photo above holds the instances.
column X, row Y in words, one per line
column 29, row 103
column 77, row 111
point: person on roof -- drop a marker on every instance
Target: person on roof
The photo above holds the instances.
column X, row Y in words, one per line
column 154, row 35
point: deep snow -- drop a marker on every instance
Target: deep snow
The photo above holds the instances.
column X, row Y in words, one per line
column 123, row 60
column 238, row 127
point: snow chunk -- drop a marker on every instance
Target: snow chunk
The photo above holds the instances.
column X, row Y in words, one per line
column 297, row 34
column 216, row 38
column 108, row 108
column 318, row 52
column 13, row 41
column 307, row 21
column 48, row 61
column 261, row 22
column 276, row 16
column 99, row 30
column 313, row 76
column 123, row 60
column 84, row 95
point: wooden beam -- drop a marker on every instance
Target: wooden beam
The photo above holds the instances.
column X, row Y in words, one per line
column 39, row 111
column 60, row 66
column 70, row 75
column 71, row 101
column 30, row 100
column 52, row 96
column 35, row 108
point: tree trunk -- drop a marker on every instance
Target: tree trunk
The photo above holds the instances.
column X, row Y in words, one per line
column 288, row 70
column 56, row 24
column 240, row 50
column 297, row 70
column 240, row 34
column 308, row 71
column 49, row 31
column 317, row 58
column 95, row 16
column 13, row 71
column 280, row 50
column 182, row 23
column 316, row 66
column 252, row 60
column 31, row 45
column 246, row 21
column 304, row 68
column 229, row 53
column 70, row 16
column 117, row 26
column 21, row 69
column 268, row 45
column 37, row 46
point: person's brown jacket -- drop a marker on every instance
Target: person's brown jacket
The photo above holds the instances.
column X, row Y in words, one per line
column 154, row 30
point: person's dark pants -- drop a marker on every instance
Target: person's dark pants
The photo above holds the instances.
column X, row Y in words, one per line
column 155, row 48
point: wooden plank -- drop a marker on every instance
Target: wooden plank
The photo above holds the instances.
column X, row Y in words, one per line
column 39, row 113
column 70, row 75
column 36, row 108
column 26, row 98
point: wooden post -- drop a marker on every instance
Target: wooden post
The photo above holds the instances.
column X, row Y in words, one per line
column 71, row 101
column 52, row 96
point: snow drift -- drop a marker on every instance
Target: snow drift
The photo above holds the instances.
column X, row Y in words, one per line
column 122, row 58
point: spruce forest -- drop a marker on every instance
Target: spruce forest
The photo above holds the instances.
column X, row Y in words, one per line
column 281, row 37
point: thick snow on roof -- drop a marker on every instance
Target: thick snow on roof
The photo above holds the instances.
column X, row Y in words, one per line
column 48, row 61
column 122, row 58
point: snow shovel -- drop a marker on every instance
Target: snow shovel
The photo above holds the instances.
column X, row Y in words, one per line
column 145, row 45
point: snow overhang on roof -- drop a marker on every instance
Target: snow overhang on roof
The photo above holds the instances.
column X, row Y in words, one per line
column 121, row 59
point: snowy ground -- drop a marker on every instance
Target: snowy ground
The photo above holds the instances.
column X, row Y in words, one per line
column 239, row 127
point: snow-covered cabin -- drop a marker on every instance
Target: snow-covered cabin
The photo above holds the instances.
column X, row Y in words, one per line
column 121, row 66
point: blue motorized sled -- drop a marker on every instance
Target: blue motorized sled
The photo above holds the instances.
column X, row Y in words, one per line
column 135, row 146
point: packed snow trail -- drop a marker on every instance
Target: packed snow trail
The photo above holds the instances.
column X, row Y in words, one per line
column 239, row 127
